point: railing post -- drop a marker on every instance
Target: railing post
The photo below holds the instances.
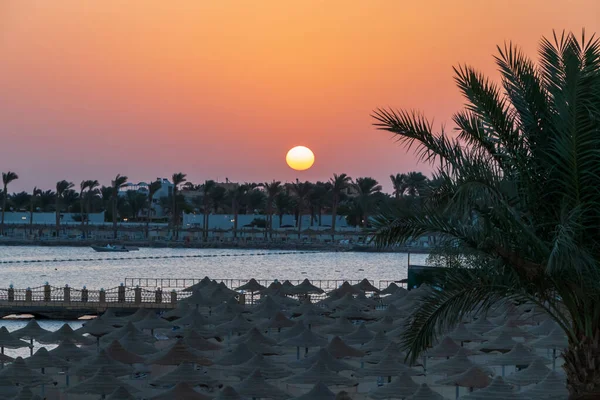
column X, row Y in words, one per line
column 28, row 295
column 11, row 293
column 121, row 294
column 158, row 296
column 67, row 296
column 47, row 292
column 84, row 295
column 102, row 296
column 138, row 295
column 173, row 297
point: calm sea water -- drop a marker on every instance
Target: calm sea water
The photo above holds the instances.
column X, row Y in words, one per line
column 223, row 264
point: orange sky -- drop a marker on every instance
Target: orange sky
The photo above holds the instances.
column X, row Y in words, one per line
column 216, row 89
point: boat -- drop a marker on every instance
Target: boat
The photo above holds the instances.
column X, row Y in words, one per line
column 110, row 249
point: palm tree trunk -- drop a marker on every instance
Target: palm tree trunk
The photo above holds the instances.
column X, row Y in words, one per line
column 333, row 217
column 235, row 222
column 269, row 221
column 582, row 366
column 148, row 216
column 4, row 195
column 299, row 222
column 114, row 217
column 174, row 214
column 57, row 216
column 31, row 217
column 81, row 214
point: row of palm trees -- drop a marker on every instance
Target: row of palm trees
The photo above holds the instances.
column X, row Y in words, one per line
column 341, row 195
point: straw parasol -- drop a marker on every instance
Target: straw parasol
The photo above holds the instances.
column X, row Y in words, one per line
column 117, row 352
column 474, row 377
column 254, row 335
column 10, row 342
column 446, row 348
column 43, row 359
column 65, row 332
column 553, row 387
column 534, row 373
column 278, row 321
column 238, row 325
column 518, row 355
column 497, row 390
column 255, row 386
column 401, row 387
column 305, row 288
column 353, row 312
column 391, row 289
column 306, row 339
column 273, row 288
column 482, row 325
column 91, row 365
column 390, row 311
column 344, row 289
column 151, row 322
column 512, row 328
column 258, row 346
column 18, row 372
column 388, row 366
column 320, row 373
column 346, row 301
column 206, row 331
column 139, row 315
column 67, row 350
column 111, row 318
column 375, row 357
column 455, row 365
column 462, row 334
column 379, row 342
column 266, row 309
column 31, row 331
column 543, row 329
column 121, row 394
column 197, row 342
column 191, row 317
column 341, row 326
column 179, row 311
column 295, row 330
column 324, row 356
column 313, row 318
column 251, row 286
column 424, row 392
column 181, row 391
column 305, row 306
column 228, row 393
column 26, row 394
column 555, row 340
column 205, row 282
column 362, row 298
column 366, row 286
column 97, row 328
column 361, row 335
column 268, row 369
column 386, row 324
column 186, row 373
column 239, row 355
column 129, row 328
column 176, row 354
column 339, row 349
column 8, row 387
column 502, row 343
column 319, row 392
column 141, row 348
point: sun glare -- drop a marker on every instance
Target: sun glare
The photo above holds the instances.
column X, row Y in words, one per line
column 300, row 158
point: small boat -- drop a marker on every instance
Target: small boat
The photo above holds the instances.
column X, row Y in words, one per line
column 110, row 249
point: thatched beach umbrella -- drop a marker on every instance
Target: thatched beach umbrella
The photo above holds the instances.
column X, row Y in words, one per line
column 197, row 342
column 519, row 355
column 139, row 347
column 117, row 352
column 239, row 355
column 341, row 326
column 267, row 308
column 295, row 330
column 10, row 342
column 391, row 348
column 228, row 393
column 102, row 383
column 67, row 350
column 345, row 288
column 320, row 373
column 26, row 394
column 176, row 354
column 19, row 373
column 379, row 342
column 366, row 286
column 473, row 378
column 306, row 339
column 391, row 289
column 339, row 349
column 268, row 369
column 251, row 286
column 353, row 312
column 312, row 318
column 401, row 387
column 512, row 328
column 139, row 315
column 455, row 365
column 325, row 357
column 424, row 392
column 319, row 392
column 193, row 316
column 304, row 288
column 254, row 335
column 360, row 335
column 152, row 322
column 181, row 391
column 129, row 328
column 121, row 394
column 91, row 365
column 556, row 340
column 97, row 328
column 543, row 329
column 346, row 301
column 109, row 317
column 261, row 344
column 273, row 288
column 255, row 386
column 278, row 321
column 497, row 390
column 202, row 284
column 482, row 325
column 462, row 334
column 65, row 332
column 42, row 359
column 307, row 306
column 502, row 343
column 179, row 311
column 8, row 388
column 552, row 387
column 237, row 325
column 389, row 366
column 186, row 373
column 534, row 373
column 31, row 331
column 385, row 324
column 446, row 348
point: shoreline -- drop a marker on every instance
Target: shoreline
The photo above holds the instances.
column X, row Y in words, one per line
column 214, row 245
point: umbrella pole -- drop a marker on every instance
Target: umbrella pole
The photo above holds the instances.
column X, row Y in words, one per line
column 31, row 346
column 457, row 390
column 305, row 352
column 297, row 353
column 2, row 357
column 43, row 386
column 97, row 344
column 553, row 359
column 503, row 370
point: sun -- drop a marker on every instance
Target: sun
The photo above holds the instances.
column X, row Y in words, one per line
column 300, row 158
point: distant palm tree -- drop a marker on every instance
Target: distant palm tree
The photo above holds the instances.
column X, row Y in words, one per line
column 82, row 186
column 7, row 178
column 339, row 183
column 34, row 194
column 178, row 179
column 152, row 189
column 283, row 204
column 366, row 188
column 302, row 192
column 116, row 184
column 62, row 187
column 272, row 189
column 416, row 183
column 237, row 196
column 399, row 184
column 92, row 191
column 206, row 189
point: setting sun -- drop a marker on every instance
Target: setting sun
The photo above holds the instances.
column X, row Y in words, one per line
column 300, row 158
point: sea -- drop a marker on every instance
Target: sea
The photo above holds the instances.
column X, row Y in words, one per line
column 31, row 266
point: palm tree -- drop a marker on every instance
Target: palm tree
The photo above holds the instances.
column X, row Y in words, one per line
column 365, row 189
column 82, row 186
column 116, row 185
column 272, row 189
column 206, row 189
column 34, row 194
column 339, row 183
column 92, row 192
column 399, row 184
column 283, row 203
column 237, row 196
column 62, row 188
column 152, row 189
column 7, row 178
column 416, row 183
column 520, row 198
column 178, row 179
column 302, row 192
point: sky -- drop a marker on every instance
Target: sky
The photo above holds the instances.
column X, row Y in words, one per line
column 223, row 89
